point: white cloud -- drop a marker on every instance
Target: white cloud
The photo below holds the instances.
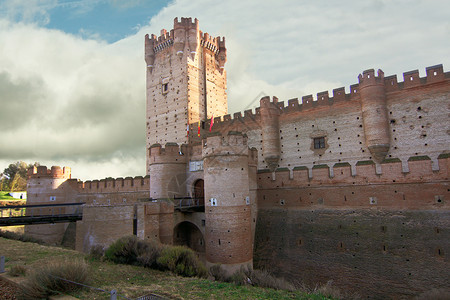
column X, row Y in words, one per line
column 82, row 101
column 27, row 11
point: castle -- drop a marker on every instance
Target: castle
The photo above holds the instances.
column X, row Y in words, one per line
column 349, row 187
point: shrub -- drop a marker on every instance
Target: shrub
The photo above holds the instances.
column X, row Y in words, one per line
column 328, row 290
column 149, row 257
column 182, row 261
column 248, row 276
column 264, row 279
column 17, row 270
column 218, row 273
column 49, row 279
column 97, row 252
column 126, row 250
column 20, row 237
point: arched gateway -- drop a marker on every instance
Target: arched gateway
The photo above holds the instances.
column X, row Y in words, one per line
column 188, row 234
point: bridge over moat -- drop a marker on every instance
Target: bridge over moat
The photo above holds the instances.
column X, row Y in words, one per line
column 40, row 214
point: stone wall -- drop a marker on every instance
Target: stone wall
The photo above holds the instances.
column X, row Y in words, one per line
column 400, row 253
column 373, row 234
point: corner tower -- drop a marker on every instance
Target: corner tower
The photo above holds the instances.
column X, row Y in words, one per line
column 186, row 81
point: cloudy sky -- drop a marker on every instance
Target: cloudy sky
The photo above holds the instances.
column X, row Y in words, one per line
column 72, row 73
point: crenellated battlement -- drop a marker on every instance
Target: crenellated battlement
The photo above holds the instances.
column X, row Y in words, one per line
column 169, row 149
column 171, row 153
column 215, row 44
column 185, row 34
column 114, row 185
column 54, row 172
column 155, row 44
column 435, row 74
column 185, row 23
column 368, row 77
column 364, row 172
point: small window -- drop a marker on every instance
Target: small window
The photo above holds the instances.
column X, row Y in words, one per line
column 319, row 143
column 52, row 198
column 165, row 88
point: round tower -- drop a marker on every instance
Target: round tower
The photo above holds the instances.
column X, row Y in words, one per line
column 167, row 171
column 270, row 129
column 167, row 181
column 374, row 113
column 228, row 231
column 48, row 187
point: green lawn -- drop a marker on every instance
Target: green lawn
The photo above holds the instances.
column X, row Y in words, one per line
column 134, row 281
column 5, row 197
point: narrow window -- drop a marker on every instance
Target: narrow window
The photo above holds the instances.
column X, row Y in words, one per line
column 319, row 143
column 165, row 88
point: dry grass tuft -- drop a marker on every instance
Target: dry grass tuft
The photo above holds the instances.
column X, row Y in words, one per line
column 435, row 294
column 328, row 290
column 248, row 276
column 17, row 270
column 56, row 277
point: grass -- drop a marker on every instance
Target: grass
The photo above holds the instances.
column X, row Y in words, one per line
column 56, row 277
column 134, row 281
column 5, row 197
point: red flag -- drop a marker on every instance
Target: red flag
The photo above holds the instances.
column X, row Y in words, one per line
column 212, row 122
column 198, row 128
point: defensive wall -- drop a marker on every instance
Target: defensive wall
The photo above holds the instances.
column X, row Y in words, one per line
column 372, row 233
column 416, row 124
column 368, row 210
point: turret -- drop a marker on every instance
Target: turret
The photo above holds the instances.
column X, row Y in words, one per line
column 374, row 112
column 149, row 52
column 222, row 53
column 270, row 129
column 52, row 186
column 194, row 36
column 167, row 171
column 179, row 37
column 227, row 202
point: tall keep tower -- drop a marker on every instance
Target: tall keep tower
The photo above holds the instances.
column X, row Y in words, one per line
column 186, row 81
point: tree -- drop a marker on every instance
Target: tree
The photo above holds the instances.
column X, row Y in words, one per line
column 15, row 176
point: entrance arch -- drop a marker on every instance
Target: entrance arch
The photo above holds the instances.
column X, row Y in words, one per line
column 188, row 234
column 199, row 191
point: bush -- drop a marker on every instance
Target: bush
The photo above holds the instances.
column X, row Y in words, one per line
column 150, row 256
column 97, row 252
column 248, row 276
column 20, row 237
column 17, row 270
column 49, row 279
column 126, row 250
column 182, row 261
column 178, row 259
column 218, row 273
